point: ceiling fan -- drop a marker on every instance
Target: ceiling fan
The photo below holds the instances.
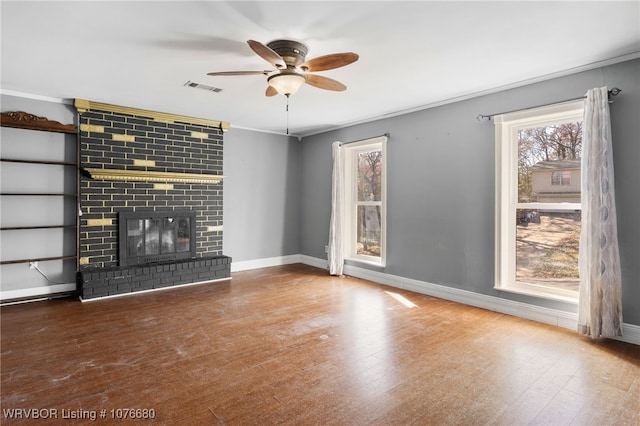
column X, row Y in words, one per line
column 291, row 67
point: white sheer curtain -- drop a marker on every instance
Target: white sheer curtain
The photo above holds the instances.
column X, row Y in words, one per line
column 335, row 253
column 600, row 300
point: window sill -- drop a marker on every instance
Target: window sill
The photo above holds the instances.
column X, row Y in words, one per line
column 534, row 291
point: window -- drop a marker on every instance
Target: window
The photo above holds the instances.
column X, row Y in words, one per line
column 365, row 195
column 561, row 178
column 538, row 204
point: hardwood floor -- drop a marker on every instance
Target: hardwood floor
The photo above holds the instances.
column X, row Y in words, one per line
column 293, row 345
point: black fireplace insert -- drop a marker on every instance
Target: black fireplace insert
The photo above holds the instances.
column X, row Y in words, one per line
column 156, row 236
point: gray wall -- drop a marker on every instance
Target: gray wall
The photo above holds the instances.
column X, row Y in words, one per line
column 261, row 195
column 441, row 184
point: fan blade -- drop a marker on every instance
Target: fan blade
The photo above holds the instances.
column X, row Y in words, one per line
column 271, row 91
column 329, row 62
column 267, row 54
column 266, row 72
column 325, row 83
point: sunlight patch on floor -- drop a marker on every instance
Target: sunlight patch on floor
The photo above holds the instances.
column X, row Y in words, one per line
column 400, row 298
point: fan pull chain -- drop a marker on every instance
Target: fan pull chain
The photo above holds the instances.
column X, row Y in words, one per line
column 287, row 95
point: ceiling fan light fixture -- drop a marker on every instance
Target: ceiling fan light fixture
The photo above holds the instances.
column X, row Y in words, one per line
column 286, row 83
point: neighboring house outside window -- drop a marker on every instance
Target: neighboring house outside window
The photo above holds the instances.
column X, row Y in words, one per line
column 365, row 195
column 555, row 181
column 538, row 201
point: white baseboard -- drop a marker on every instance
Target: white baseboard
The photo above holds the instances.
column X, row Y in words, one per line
column 630, row 334
column 569, row 320
column 246, row 265
column 314, row 261
column 37, row 292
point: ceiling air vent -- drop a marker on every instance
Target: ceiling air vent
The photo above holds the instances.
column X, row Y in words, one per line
column 203, row 86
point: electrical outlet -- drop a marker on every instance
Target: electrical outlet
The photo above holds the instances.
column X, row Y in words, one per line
column 33, row 265
column 326, row 249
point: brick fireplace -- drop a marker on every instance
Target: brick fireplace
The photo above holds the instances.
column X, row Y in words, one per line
column 135, row 161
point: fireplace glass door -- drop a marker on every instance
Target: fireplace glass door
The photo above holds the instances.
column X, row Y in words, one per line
column 156, row 237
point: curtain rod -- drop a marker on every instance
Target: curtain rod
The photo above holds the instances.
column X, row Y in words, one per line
column 372, row 137
column 480, row 117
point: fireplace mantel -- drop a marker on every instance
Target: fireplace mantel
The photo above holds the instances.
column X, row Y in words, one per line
column 148, row 176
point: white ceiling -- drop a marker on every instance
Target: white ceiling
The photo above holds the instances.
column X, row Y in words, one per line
column 412, row 54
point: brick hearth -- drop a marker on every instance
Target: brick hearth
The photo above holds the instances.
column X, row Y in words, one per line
column 116, row 280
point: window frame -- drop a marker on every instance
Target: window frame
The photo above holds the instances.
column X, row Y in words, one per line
column 506, row 186
column 351, row 151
